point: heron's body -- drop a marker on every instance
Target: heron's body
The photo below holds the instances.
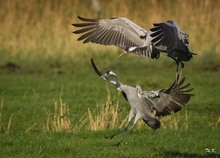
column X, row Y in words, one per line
column 166, row 37
column 147, row 105
column 140, row 109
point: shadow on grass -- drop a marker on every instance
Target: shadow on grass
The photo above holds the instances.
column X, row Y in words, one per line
column 173, row 153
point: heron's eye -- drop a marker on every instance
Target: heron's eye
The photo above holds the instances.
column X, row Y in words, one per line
column 112, row 73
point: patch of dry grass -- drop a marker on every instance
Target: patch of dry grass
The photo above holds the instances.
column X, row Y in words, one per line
column 59, row 120
column 106, row 116
column 176, row 121
column 5, row 126
column 44, row 27
column 214, row 124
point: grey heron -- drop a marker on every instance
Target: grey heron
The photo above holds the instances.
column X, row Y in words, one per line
column 166, row 37
column 147, row 105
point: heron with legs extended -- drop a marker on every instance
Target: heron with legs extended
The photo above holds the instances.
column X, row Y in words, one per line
column 147, row 105
column 166, row 37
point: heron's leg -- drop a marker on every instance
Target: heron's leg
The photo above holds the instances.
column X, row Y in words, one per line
column 129, row 132
column 177, row 71
column 131, row 116
column 119, row 132
column 138, row 116
column 181, row 70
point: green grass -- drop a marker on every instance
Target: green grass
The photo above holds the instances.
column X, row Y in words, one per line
column 42, row 62
column 142, row 143
column 29, row 89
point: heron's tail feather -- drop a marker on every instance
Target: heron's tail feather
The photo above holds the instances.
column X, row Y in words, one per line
column 155, row 54
column 154, row 123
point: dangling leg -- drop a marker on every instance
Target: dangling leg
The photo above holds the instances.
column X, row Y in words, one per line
column 177, row 69
column 129, row 132
column 177, row 72
column 131, row 116
column 181, row 70
column 138, row 116
column 119, row 132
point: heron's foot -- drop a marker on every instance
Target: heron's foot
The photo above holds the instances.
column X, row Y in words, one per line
column 117, row 144
column 109, row 137
column 177, row 82
column 177, row 87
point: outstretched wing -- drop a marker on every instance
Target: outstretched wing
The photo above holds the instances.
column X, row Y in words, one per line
column 170, row 100
column 169, row 34
column 120, row 32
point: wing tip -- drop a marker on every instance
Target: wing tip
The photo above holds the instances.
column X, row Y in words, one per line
column 86, row 19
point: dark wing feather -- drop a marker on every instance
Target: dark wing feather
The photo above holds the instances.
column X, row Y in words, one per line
column 84, row 30
column 87, row 19
column 170, row 35
column 172, row 99
column 83, row 24
column 173, row 38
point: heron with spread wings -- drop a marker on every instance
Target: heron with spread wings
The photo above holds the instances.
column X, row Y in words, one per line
column 166, row 37
column 148, row 105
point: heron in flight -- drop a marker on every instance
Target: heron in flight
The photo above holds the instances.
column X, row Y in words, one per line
column 148, row 105
column 166, row 37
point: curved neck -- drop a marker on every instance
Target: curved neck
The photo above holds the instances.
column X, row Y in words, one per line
column 116, row 82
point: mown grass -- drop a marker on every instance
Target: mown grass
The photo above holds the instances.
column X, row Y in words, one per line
column 143, row 143
column 44, row 27
column 26, row 94
column 43, row 66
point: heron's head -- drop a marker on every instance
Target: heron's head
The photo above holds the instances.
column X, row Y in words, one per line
column 173, row 23
column 109, row 75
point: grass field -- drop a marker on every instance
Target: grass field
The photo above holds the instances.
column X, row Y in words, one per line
column 28, row 96
column 48, row 87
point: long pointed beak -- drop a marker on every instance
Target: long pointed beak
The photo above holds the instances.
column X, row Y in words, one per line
column 124, row 53
column 104, row 77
